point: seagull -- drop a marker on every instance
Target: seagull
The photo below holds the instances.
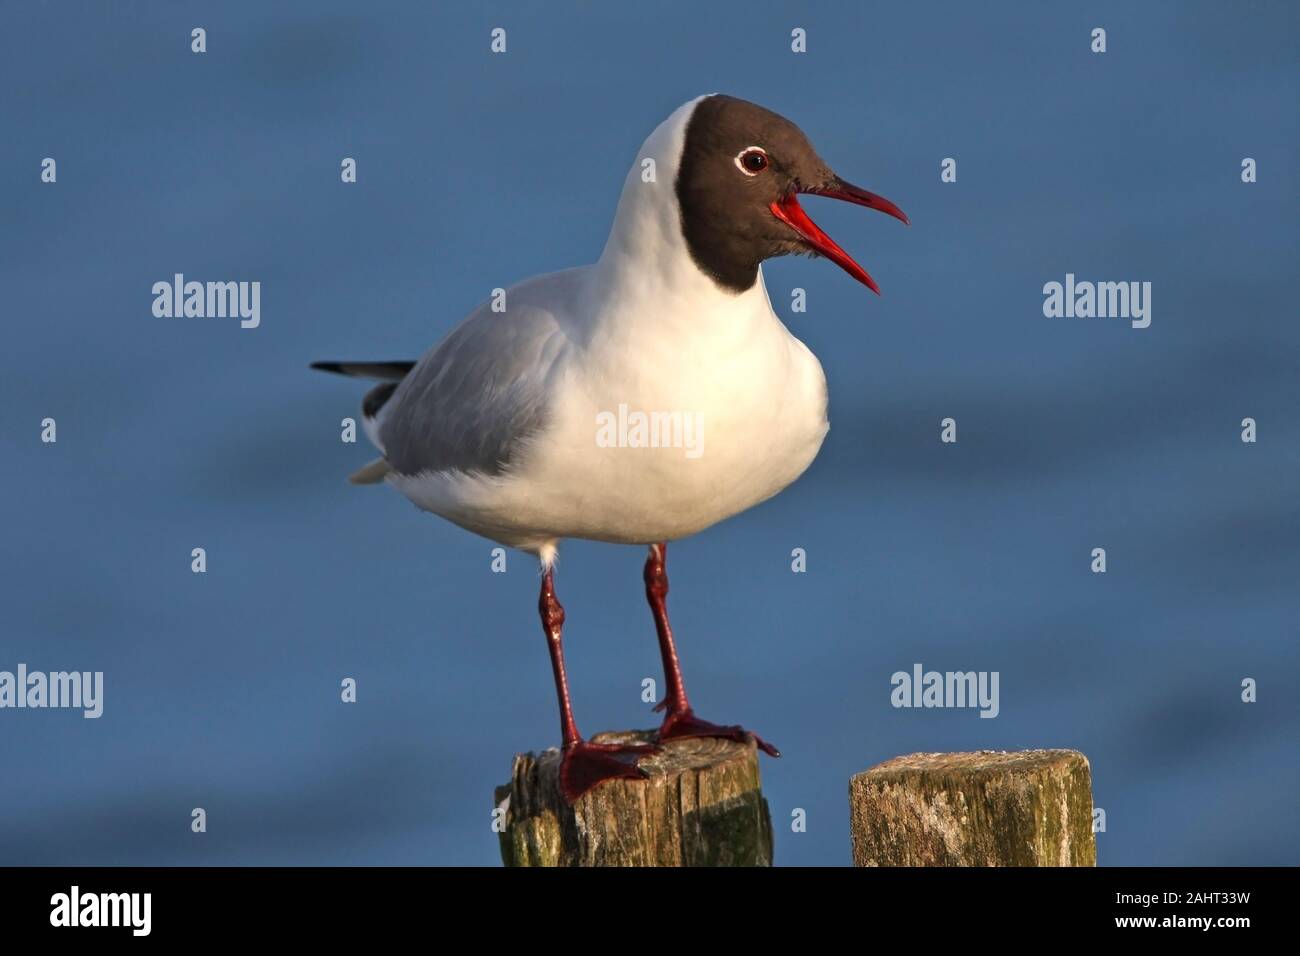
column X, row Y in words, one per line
column 504, row 428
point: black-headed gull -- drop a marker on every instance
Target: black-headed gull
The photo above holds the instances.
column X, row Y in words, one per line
column 638, row 400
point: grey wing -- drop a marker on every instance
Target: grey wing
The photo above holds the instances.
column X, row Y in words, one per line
column 472, row 403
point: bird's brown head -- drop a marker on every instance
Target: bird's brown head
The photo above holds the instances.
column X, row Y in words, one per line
column 742, row 171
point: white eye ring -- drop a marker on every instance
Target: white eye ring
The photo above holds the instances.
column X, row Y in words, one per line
column 751, row 149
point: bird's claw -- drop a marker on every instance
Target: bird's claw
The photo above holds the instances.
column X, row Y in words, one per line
column 685, row 724
column 584, row 765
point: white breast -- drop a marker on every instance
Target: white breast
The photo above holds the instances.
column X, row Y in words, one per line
column 754, row 394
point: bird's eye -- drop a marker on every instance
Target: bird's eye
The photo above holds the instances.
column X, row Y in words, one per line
column 752, row 161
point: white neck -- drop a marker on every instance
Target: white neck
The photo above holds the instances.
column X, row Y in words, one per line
column 646, row 258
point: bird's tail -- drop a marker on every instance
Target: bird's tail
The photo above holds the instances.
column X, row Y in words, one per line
column 371, row 474
column 372, row 406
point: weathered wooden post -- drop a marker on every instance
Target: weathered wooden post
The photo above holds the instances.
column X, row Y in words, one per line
column 990, row 808
column 701, row 806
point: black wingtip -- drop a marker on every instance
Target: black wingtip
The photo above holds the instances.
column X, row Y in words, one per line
column 384, row 371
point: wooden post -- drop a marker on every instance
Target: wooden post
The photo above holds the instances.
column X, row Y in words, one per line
column 990, row 808
column 701, row 806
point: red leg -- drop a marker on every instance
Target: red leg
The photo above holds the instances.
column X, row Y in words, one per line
column 681, row 720
column 582, row 764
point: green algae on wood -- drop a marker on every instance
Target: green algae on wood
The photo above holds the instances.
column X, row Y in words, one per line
column 989, row 808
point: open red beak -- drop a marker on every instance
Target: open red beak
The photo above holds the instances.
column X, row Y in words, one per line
column 788, row 210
